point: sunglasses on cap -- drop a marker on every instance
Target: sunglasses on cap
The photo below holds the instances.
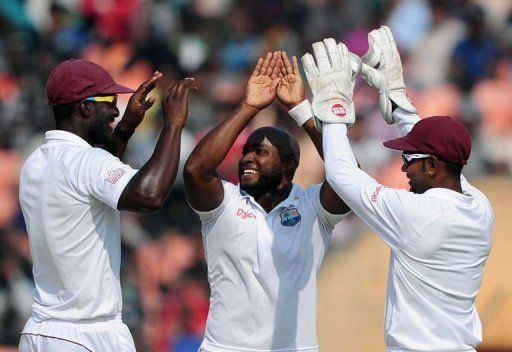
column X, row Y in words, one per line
column 111, row 100
column 408, row 158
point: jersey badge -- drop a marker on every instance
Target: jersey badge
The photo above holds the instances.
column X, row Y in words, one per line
column 290, row 217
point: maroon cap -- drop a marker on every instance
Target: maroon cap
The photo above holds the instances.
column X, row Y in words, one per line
column 74, row 80
column 440, row 136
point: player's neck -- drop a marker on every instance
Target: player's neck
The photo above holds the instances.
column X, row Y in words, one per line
column 76, row 128
column 271, row 199
column 449, row 183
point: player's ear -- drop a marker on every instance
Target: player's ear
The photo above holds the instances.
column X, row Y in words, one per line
column 85, row 108
column 432, row 166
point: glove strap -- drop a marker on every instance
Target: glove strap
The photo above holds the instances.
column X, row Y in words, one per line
column 301, row 112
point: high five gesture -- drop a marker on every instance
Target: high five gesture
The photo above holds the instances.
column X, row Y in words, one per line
column 290, row 90
column 262, row 86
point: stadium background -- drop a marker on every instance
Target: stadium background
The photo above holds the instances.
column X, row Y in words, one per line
column 458, row 61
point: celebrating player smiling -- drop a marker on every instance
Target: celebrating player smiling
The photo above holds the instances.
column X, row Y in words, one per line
column 70, row 194
column 265, row 238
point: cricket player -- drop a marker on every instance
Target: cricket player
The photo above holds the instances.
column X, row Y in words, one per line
column 439, row 232
column 71, row 192
column 264, row 238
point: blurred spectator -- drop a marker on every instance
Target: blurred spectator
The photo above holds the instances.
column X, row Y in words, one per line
column 492, row 97
column 63, row 36
column 475, row 56
column 430, row 58
column 10, row 162
column 409, row 21
column 113, row 20
column 176, row 306
column 15, row 291
column 244, row 46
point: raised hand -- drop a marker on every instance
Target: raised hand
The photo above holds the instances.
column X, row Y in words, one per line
column 332, row 80
column 290, row 90
column 388, row 79
column 139, row 104
column 175, row 102
column 262, row 86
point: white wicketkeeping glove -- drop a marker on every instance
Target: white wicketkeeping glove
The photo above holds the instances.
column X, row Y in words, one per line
column 332, row 81
column 388, row 79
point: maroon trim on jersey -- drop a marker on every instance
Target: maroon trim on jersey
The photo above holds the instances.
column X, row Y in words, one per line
column 58, row 338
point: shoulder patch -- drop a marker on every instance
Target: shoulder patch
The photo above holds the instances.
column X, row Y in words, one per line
column 114, row 175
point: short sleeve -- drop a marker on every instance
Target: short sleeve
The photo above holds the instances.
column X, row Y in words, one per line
column 100, row 175
column 326, row 220
column 208, row 218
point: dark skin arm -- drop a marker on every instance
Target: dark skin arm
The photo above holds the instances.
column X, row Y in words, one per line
column 133, row 116
column 150, row 187
column 203, row 185
column 290, row 93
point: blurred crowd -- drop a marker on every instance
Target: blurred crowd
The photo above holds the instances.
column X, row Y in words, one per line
column 457, row 58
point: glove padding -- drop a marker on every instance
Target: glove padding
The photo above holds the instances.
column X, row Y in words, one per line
column 332, row 81
column 388, row 79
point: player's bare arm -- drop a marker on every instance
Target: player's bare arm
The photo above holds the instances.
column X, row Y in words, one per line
column 149, row 188
column 133, row 116
column 203, row 185
column 290, row 93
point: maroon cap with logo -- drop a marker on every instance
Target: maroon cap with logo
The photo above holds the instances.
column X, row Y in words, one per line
column 440, row 136
column 74, row 80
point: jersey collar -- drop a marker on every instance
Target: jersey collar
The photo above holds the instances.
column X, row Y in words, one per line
column 292, row 201
column 65, row 136
column 448, row 194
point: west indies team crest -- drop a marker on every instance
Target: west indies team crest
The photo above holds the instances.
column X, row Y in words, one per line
column 290, row 217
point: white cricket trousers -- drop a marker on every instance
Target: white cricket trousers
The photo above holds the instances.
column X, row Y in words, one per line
column 97, row 335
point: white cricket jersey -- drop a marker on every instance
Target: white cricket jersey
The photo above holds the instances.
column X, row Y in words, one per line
column 68, row 194
column 439, row 241
column 262, row 271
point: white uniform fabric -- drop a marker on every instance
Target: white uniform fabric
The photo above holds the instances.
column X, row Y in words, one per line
column 95, row 335
column 68, row 194
column 262, row 271
column 439, row 241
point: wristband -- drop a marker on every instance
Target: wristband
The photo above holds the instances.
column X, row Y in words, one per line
column 122, row 135
column 301, row 112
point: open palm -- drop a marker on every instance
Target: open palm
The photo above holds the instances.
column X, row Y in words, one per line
column 261, row 88
column 290, row 90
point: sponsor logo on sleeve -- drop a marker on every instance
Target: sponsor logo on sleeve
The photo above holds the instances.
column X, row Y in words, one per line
column 290, row 217
column 245, row 214
column 375, row 194
column 338, row 110
column 114, row 175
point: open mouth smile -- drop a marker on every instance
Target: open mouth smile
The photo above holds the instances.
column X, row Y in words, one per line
column 248, row 171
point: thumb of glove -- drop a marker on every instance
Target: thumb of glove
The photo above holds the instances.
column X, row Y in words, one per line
column 373, row 55
column 355, row 64
column 373, row 77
